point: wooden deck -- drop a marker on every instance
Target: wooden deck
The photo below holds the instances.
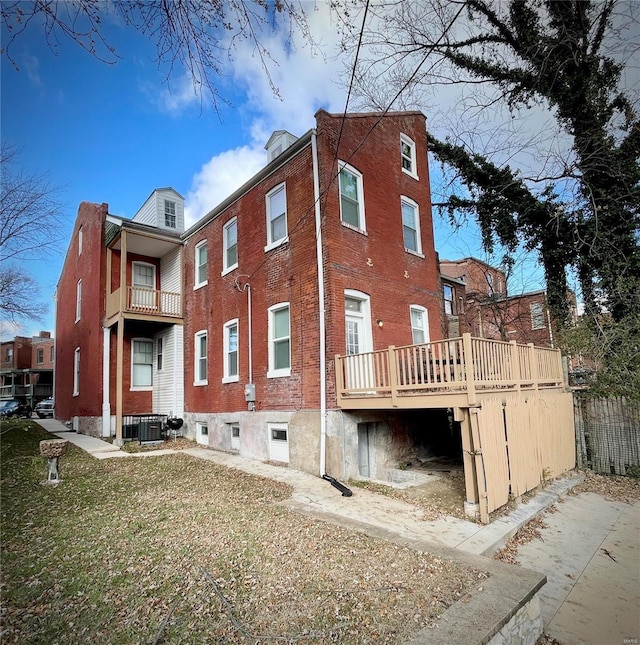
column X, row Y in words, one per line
column 456, row 372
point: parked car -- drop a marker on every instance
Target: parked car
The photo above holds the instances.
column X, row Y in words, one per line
column 15, row 408
column 45, row 408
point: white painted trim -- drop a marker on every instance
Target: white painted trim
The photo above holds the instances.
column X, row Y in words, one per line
column 272, row 372
column 106, row 406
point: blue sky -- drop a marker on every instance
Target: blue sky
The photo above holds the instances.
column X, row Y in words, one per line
column 112, row 133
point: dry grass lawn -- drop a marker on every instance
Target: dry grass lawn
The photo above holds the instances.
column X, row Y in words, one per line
column 172, row 549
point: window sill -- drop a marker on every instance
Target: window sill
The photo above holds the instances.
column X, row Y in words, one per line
column 278, row 373
column 229, row 269
column 199, row 383
column 411, row 174
column 141, row 388
column 275, row 245
column 416, row 253
column 230, row 379
column 200, row 285
column 356, row 229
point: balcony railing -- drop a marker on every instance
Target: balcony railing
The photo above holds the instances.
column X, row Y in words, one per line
column 146, row 301
column 458, row 366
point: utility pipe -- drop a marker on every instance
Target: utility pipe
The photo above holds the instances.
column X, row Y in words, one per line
column 322, row 331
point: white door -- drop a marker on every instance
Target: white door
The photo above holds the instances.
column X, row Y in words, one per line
column 235, row 437
column 359, row 340
column 202, row 434
column 143, row 293
column 278, row 442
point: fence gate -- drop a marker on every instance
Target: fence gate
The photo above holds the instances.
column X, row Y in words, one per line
column 524, row 440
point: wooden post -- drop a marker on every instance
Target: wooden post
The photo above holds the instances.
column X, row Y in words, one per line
column 393, row 375
column 470, row 474
column 483, row 495
column 467, row 361
column 515, row 364
column 533, row 361
column 339, row 380
column 119, row 367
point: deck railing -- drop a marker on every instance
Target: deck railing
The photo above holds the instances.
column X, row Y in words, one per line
column 463, row 365
column 146, row 301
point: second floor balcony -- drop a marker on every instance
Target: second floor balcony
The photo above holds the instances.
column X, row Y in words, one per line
column 456, row 372
column 143, row 302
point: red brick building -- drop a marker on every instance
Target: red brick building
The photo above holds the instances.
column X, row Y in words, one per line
column 234, row 324
column 26, row 368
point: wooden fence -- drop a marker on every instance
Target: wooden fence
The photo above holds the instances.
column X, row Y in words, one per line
column 607, row 434
column 523, row 441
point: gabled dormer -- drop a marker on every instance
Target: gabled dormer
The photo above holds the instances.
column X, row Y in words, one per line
column 163, row 209
column 278, row 142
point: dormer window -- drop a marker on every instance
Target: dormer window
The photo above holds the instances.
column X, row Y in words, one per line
column 169, row 214
column 278, row 142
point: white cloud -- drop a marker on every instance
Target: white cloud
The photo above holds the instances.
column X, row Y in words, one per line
column 306, row 79
column 219, row 177
column 8, row 329
column 179, row 93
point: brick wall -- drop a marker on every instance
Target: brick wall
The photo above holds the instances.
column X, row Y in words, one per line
column 86, row 333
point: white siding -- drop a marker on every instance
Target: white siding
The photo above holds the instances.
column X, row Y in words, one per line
column 171, row 272
column 152, row 211
column 168, row 384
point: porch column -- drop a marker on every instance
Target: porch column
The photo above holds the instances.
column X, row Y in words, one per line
column 471, row 498
column 106, row 406
column 119, row 366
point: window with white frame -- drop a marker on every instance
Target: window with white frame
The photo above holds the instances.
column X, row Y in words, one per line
column 351, row 197
column 200, row 358
column 357, row 316
column 53, row 353
column 419, row 325
column 408, row 156
column 9, row 354
column 448, row 300
column 40, row 355
column 141, row 364
column 230, row 245
column 159, row 353
column 200, row 277
column 78, row 299
column 80, row 241
column 76, row 372
column 537, row 315
column 230, row 336
column 169, row 214
column 276, row 216
column 411, row 226
column 279, row 340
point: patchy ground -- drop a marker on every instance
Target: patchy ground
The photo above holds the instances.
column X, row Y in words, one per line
column 179, row 550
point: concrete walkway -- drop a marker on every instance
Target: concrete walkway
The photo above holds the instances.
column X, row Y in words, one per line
column 589, row 599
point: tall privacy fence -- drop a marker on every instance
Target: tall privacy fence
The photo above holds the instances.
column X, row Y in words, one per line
column 607, row 434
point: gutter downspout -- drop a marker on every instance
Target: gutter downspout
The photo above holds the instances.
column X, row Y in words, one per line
column 322, row 331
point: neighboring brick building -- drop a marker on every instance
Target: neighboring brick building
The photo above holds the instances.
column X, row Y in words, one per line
column 26, row 368
column 486, row 311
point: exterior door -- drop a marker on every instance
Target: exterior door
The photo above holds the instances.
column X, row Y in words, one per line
column 279, row 442
column 143, row 292
column 358, row 337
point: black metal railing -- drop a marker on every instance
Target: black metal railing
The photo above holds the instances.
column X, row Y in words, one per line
column 144, row 427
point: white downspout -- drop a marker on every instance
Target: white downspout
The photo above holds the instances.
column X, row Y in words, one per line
column 323, row 340
column 250, row 325
column 106, row 407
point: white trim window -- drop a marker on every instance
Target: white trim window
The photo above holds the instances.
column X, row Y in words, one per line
column 78, row 299
column 143, row 293
column 351, row 197
column 276, row 200
column 200, row 358
column 200, row 265
column 279, row 340
column 40, row 356
column 411, row 226
column 447, row 293
column 76, row 372
column 408, row 156
column 159, row 353
column 80, row 241
column 419, row 324
column 169, row 214
column 537, row 315
column 230, row 245
column 141, row 364
column 230, row 359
